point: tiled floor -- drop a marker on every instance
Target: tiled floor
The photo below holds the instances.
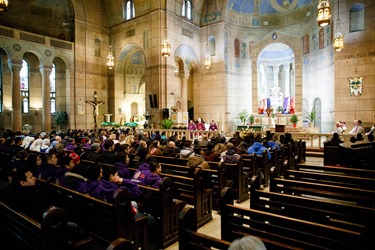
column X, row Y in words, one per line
column 213, row 227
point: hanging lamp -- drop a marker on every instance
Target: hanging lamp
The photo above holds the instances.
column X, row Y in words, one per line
column 338, row 38
column 324, row 13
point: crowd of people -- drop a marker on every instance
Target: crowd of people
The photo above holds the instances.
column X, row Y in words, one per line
column 357, row 132
column 57, row 157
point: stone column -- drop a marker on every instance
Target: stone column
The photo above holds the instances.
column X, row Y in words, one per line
column 15, row 67
column 46, row 98
column 184, row 98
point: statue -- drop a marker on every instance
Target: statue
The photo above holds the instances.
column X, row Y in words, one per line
column 95, row 105
column 108, row 116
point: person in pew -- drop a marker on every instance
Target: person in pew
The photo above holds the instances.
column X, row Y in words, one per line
column 122, row 153
column 171, row 149
column 220, row 146
column 48, row 170
column 94, row 155
column 197, row 160
column 372, row 130
column 287, row 138
column 186, row 151
column 28, row 200
column 209, row 154
column 93, row 175
column 34, row 161
column 141, row 154
column 139, row 176
column 247, row 243
column 111, row 181
column 107, row 156
column 154, row 149
column 258, row 148
column 204, row 141
column 335, row 140
column 274, row 142
column 154, row 178
column 231, row 156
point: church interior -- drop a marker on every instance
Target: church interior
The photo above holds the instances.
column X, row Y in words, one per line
column 307, row 64
column 212, row 59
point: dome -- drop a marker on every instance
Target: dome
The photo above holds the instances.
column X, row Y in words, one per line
column 266, row 7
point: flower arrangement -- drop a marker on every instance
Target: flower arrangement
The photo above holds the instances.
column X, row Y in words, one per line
column 243, row 116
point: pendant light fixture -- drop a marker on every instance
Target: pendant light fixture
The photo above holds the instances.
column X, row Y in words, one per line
column 165, row 45
column 207, row 58
column 110, row 59
column 338, row 39
column 324, row 13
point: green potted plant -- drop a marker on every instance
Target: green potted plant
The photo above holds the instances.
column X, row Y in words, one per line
column 251, row 119
column 61, row 119
column 311, row 116
column 294, row 120
column 243, row 116
column 166, row 124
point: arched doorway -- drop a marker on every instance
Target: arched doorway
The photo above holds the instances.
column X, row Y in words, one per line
column 275, row 85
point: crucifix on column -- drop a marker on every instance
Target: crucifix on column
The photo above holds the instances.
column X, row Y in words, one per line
column 95, row 105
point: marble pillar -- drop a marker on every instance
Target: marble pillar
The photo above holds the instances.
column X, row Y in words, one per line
column 15, row 68
column 46, row 98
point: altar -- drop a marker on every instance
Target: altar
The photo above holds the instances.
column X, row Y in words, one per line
column 268, row 122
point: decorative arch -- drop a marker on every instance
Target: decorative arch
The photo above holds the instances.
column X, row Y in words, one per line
column 356, row 17
column 295, row 43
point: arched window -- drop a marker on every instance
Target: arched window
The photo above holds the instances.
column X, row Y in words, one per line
column 306, row 43
column 356, row 18
column 128, row 10
column 52, row 91
column 1, row 85
column 97, row 47
column 187, row 9
column 236, row 48
column 212, row 45
column 321, row 38
column 24, row 75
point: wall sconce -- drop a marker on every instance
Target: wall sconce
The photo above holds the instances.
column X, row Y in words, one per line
column 119, row 111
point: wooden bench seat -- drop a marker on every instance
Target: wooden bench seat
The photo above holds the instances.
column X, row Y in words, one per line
column 350, row 195
column 327, row 212
column 331, row 155
column 160, row 204
column 104, row 221
column 26, row 233
column 341, row 170
column 331, row 179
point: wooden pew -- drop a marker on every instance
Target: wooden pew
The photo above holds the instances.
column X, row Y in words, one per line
column 277, row 229
column 160, row 204
column 341, row 170
column 331, row 155
column 310, row 189
column 104, row 221
column 332, row 179
column 327, row 212
column 192, row 191
column 26, row 233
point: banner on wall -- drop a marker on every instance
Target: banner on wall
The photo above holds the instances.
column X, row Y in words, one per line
column 355, row 86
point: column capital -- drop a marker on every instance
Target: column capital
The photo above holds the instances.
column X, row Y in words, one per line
column 15, row 64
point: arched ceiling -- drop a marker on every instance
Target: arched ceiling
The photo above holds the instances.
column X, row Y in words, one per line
column 265, row 7
column 53, row 18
